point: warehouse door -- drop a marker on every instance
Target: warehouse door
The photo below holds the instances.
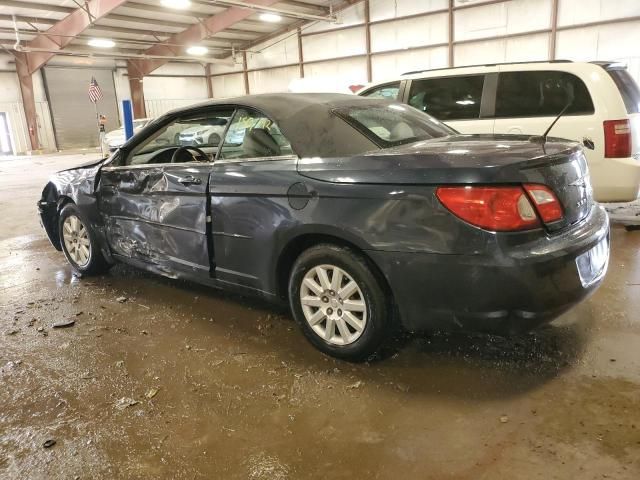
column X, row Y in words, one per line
column 74, row 116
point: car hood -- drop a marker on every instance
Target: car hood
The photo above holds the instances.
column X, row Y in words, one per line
column 453, row 159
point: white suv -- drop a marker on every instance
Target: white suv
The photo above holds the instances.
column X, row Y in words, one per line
column 524, row 98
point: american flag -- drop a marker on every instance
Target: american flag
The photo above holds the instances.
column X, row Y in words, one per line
column 95, row 92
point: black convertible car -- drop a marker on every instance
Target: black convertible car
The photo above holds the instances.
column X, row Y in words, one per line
column 363, row 214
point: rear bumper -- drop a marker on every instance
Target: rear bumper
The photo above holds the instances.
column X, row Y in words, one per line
column 616, row 179
column 508, row 291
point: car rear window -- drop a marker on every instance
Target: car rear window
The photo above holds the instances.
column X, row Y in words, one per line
column 448, row 98
column 394, row 124
column 628, row 88
column 541, row 94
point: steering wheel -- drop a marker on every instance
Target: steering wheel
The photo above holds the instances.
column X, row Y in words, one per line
column 179, row 150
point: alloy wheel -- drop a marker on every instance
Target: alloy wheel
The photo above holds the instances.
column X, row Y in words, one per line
column 76, row 240
column 333, row 304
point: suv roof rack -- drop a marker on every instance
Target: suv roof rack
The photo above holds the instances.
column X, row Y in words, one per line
column 485, row 65
column 610, row 65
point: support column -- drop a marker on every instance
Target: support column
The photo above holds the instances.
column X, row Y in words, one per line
column 554, row 30
column 245, row 73
column 207, row 74
column 451, row 35
column 137, row 93
column 28, row 98
column 300, row 54
column 367, row 31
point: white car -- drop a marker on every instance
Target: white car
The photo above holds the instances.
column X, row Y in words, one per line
column 525, row 98
column 116, row 138
column 201, row 135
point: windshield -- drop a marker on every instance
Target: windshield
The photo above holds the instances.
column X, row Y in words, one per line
column 394, row 124
column 628, row 88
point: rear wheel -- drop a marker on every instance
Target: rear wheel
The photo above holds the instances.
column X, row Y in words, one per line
column 339, row 302
column 78, row 242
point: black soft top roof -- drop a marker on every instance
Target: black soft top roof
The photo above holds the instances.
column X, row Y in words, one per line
column 306, row 120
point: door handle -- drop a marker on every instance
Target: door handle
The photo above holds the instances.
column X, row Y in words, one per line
column 190, row 180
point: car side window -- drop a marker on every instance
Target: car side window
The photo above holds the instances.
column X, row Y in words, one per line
column 389, row 91
column 448, row 98
column 202, row 130
column 541, row 94
column 254, row 135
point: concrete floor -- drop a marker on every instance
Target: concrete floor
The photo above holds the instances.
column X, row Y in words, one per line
column 241, row 395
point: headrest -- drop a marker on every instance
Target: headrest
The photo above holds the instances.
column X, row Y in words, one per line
column 259, row 143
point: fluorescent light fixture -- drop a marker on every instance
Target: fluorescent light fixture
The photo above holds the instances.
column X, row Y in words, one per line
column 270, row 17
column 177, row 4
column 101, row 43
column 197, row 50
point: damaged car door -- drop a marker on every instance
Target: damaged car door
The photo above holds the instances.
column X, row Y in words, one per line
column 153, row 196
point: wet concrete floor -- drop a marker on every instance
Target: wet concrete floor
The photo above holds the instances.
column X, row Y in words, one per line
column 181, row 381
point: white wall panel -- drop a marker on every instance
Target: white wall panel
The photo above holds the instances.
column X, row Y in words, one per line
column 272, row 80
column 236, row 67
column 519, row 49
column 342, row 43
column 384, row 9
column 411, row 32
column 572, row 12
column 336, row 75
column 11, row 104
column 278, row 51
column 390, row 65
column 174, row 87
column 606, row 42
column 349, row 16
column 505, row 18
column 160, row 106
column 225, row 86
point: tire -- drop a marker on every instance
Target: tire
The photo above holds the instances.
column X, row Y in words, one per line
column 81, row 247
column 365, row 313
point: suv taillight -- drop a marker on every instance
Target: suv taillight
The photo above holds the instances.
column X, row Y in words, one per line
column 617, row 139
column 501, row 209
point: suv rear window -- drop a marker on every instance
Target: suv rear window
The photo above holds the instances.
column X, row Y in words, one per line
column 394, row 124
column 540, row 94
column 628, row 88
column 448, row 98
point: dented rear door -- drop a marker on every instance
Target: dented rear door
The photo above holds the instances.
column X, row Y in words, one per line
column 157, row 214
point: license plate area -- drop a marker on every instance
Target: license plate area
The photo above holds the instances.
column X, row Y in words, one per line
column 593, row 263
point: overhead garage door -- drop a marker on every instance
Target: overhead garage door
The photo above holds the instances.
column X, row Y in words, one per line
column 74, row 116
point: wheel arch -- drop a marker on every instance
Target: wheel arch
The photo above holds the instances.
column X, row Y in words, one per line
column 303, row 241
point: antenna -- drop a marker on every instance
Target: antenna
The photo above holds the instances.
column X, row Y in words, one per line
column 546, row 133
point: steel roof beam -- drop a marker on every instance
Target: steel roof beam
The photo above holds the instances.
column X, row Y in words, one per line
column 194, row 34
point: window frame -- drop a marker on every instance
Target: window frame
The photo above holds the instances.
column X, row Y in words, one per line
column 566, row 114
column 156, row 125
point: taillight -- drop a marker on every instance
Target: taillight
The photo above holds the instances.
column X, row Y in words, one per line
column 617, row 139
column 546, row 202
column 502, row 209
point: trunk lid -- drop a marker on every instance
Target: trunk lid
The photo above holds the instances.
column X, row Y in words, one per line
column 471, row 159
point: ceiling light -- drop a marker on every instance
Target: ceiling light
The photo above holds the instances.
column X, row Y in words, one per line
column 197, row 50
column 270, row 17
column 178, row 4
column 101, row 43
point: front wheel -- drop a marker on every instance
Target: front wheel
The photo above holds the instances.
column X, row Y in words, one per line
column 78, row 242
column 339, row 302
